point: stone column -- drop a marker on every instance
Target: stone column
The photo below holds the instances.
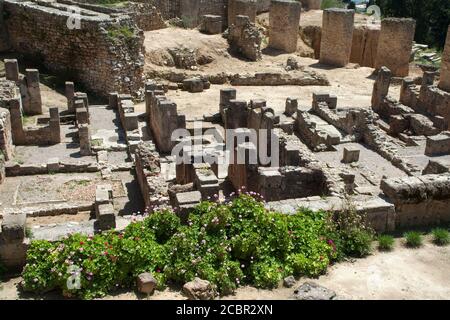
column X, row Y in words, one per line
column 395, row 45
column 225, row 96
column 243, row 8
column 85, row 140
column 17, row 133
column 444, row 82
column 337, row 35
column 34, row 92
column 12, row 69
column 54, row 124
column 381, row 87
column 284, row 20
column 70, row 94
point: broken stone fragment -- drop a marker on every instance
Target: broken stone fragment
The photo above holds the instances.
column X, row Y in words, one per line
column 199, row 289
column 312, row 291
column 289, row 282
column 146, row 283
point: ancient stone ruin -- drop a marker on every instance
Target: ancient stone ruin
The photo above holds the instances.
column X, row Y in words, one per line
column 169, row 103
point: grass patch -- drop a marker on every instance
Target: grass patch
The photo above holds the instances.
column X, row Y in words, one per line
column 120, row 32
column 385, row 242
column 413, row 239
column 441, row 236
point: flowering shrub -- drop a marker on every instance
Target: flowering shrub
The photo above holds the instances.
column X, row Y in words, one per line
column 228, row 244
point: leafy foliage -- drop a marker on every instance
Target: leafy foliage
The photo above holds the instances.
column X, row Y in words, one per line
column 441, row 237
column 385, row 242
column 413, row 239
column 432, row 17
column 228, row 244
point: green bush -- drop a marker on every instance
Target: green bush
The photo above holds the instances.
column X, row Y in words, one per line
column 441, row 237
column 413, row 239
column 326, row 4
column 228, row 244
column 385, row 242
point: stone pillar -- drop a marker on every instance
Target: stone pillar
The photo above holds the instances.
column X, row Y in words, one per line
column 85, row 140
column 12, row 69
column 17, row 133
column 113, row 100
column 337, row 35
column 54, row 124
column 444, row 82
column 34, row 93
column 225, row 96
column 284, row 20
column 395, row 45
column 13, row 241
column 381, row 87
column 243, row 8
column 70, row 94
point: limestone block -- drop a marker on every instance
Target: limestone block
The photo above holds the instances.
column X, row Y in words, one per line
column 70, row 94
column 438, row 144
column 291, row 106
column 284, row 20
column 53, row 164
column 212, row 24
column 351, row 154
column 193, row 85
column 395, row 45
column 34, row 92
column 106, row 218
column 146, row 283
column 11, row 69
column 337, row 35
column 13, row 227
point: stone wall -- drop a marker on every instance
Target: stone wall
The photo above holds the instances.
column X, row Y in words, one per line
column 419, row 201
column 105, row 55
column 4, row 41
column 8, row 91
column 245, row 38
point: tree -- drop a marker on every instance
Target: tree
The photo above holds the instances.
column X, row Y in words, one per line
column 432, row 17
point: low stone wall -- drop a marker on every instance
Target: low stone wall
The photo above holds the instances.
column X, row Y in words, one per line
column 105, row 54
column 154, row 188
column 419, row 201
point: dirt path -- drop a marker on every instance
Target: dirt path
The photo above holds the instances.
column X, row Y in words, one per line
column 401, row 274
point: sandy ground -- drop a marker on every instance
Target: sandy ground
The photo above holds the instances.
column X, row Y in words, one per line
column 401, row 274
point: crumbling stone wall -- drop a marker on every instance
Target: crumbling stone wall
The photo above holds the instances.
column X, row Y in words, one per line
column 8, row 91
column 419, row 201
column 105, row 55
column 395, row 45
column 154, row 188
column 245, row 38
column 4, row 40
